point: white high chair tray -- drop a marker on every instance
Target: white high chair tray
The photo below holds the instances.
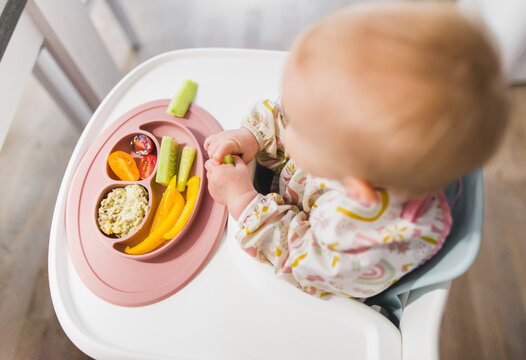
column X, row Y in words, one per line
column 235, row 308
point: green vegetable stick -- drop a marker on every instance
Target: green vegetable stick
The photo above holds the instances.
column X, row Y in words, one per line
column 167, row 161
column 187, row 160
column 182, row 99
column 228, row 159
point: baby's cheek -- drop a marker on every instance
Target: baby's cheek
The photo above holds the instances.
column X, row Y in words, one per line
column 285, row 140
column 321, row 165
column 295, row 146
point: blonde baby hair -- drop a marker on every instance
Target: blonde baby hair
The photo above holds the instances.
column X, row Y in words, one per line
column 412, row 92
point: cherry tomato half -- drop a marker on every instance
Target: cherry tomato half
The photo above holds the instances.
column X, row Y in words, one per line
column 142, row 144
column 124, row 166
column 147, row 165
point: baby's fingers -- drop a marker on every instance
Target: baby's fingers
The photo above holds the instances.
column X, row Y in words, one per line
column 209, row 140
column 238, row 161
column 228, row 147
column 209, row 165
column 212, row 149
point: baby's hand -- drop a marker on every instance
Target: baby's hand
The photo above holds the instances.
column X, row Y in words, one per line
column 236, row 142
column 230, row 185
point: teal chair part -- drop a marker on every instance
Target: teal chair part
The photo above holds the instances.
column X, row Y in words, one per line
column 456, row 255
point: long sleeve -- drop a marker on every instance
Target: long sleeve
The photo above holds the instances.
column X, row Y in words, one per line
column 341, row 246
column 266, row 121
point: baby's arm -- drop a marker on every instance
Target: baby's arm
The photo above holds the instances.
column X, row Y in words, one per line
column 230, row 185
column 266, row 122
column 260, row 134
column 324, row 252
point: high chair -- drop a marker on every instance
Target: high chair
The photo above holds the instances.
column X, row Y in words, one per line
column 456, row 255
column 236, row 308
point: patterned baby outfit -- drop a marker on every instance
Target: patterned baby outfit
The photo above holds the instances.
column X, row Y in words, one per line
column 321, row 240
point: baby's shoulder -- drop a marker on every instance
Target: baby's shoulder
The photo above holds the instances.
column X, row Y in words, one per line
column 352, row 224
column 389, row 211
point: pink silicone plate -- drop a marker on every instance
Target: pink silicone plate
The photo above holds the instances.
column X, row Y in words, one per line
column 155, row 130
column 99, row 259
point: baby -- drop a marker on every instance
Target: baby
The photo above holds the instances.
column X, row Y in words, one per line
column 383, row 105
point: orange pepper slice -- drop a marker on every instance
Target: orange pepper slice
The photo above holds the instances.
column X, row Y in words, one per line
column 192, row 190
column 124, row 166
column 166, row 204
column 155, row 239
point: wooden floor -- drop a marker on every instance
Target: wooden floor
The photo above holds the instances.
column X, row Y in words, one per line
column 486, row 313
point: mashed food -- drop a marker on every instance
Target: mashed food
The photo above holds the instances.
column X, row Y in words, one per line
column 122, row 210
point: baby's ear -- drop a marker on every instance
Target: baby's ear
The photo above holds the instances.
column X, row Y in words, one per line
column 360, row 190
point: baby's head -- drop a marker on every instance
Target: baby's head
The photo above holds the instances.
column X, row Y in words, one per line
column 404, row 96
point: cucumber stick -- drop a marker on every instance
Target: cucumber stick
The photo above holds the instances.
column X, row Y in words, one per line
column 187, row 160
column 182, row 99
column 227, row 159
column 167, row 161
